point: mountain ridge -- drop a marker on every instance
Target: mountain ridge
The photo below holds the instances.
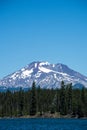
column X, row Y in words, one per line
column 45, row 74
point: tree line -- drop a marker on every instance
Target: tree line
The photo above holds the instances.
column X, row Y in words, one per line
column 65, row 101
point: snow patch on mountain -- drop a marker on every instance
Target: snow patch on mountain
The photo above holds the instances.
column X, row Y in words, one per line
column 26, row 73
column 35, row 65
column 55, row 76
column 14, row 76
column 44, row 63
column 53, row 65
column 23, row 69
column 45, row 70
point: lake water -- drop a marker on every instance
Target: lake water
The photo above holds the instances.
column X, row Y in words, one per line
column 43, row 124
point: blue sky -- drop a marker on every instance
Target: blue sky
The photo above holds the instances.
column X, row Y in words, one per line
column 43, row 30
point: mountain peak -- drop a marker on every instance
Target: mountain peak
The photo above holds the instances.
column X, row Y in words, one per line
column 44, row 74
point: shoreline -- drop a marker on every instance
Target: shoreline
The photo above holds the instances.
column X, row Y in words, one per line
column 44, row 116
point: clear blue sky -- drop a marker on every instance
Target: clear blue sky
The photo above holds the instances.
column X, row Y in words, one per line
column 43, row 30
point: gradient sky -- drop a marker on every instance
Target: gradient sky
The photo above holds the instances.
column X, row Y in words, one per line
column 43, row 30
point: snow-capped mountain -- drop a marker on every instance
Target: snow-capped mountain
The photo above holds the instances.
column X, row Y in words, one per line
column 44, row 74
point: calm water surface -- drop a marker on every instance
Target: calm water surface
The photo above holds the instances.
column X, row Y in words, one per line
column 43, row 124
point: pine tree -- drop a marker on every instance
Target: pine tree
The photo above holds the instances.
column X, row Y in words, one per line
column 39, row 100
column 55, row 103
column 62, row 99
column 33, row 102
column 21, row 102
column 69, row 98
column 83, row 95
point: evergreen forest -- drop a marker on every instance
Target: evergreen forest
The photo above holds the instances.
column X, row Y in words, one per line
column 38, row 101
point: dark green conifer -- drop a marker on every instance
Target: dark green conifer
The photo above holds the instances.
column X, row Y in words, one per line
column 33, row 101
column 62, row 99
